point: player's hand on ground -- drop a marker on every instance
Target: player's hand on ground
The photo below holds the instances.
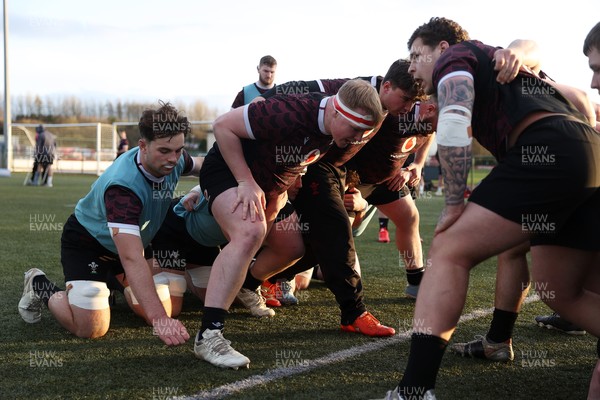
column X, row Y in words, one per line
column 449, row 215
column 252, row 200
column 170, row 331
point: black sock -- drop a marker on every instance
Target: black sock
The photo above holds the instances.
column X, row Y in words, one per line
column 502, row 325
column 426, row 352
column 383, row 223
column 598, row 348
column 44, row 288
column 213, row 318
column 251, row 282
column 414, row 276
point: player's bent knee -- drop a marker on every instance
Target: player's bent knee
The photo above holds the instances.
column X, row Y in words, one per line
column 199, row 276
column 90, row 308
column 176, row 283
column 162, row 290
column 250, row 234
column 161, row 283
column 89, row 295
column 92, row 332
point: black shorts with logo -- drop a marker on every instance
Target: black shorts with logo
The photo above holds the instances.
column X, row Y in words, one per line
column 83, row 257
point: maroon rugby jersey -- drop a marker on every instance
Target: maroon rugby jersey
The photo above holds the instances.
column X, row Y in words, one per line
column 330, row 87
column 498, row 108
column 289, row 134
column 383, row 156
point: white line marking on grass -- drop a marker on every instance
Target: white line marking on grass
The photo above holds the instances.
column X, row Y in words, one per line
column 342, row 355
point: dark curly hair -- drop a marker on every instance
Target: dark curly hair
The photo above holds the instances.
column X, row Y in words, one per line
column 399, row 77
column 352, row 179
column 439, row 29
column 592, row 40
column 166, row 121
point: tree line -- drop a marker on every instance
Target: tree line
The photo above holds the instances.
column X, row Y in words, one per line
column 71, row 109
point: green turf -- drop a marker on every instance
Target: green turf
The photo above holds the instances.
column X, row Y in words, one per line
column 43, row 361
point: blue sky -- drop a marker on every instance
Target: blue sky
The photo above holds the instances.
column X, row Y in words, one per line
column 184, row 50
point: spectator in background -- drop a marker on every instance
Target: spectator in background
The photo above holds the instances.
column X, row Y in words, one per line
column 47, row 158
column 32, row 180
column 123, row 144
column 45, row 151
column 266, row 80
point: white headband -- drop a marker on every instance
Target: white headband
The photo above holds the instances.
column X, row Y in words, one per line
column 363, row 121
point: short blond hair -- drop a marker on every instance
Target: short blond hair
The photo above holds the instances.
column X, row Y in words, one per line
column 357, row 93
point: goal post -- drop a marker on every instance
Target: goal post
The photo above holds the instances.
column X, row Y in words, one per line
column 80, row 148
column 198, row 142
column 90, row 148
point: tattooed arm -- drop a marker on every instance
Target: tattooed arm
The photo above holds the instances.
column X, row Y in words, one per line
column 456, row 95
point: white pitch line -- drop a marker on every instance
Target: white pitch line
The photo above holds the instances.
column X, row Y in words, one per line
column 342, row 355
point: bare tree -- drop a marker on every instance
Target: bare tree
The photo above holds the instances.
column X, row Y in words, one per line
column 28, row 105
column 50, row 107
column 73, row 109
column 110, row 111
column 19, row 103
column 38, row 106
column 119, row 110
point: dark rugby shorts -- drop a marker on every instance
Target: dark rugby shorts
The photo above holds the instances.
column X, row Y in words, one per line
column 215, row 178
column 83, row 257
column 174, row 248
column 380, row 194
column 549, row 184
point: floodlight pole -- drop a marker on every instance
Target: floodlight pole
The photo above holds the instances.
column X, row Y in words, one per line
column 7, row 156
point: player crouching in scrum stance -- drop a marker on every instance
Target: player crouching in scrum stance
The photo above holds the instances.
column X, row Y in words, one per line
column 107, row 233
column 245, row 184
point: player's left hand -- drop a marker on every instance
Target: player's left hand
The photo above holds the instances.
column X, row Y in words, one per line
column 508, row 63
column 171, row 331
column 415, row 174
column 399, row 180
column 252, row 199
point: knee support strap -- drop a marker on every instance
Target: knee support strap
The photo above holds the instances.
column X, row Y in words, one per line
column 162, row 289
column 176, row 282
column 199, row 276
column 89, row 295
